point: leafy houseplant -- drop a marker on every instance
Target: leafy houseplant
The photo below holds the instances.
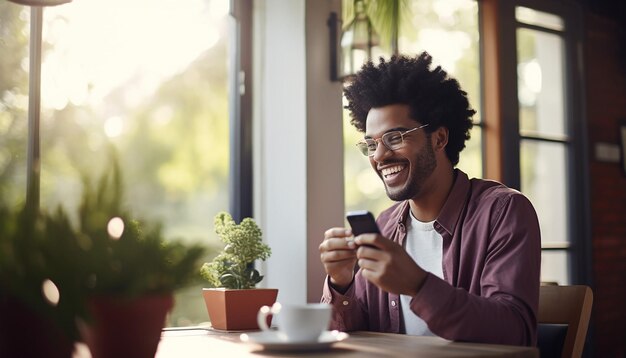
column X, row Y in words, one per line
column 131, row 290
column 112, row 274
column 233, row 267
column 39, row 284
column 133, row 272
column 231, row 303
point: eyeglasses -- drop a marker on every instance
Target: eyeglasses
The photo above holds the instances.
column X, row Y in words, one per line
column 391, row 140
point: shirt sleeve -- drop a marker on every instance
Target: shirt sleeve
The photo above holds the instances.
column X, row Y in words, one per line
column 505, row 310
column 347, row 312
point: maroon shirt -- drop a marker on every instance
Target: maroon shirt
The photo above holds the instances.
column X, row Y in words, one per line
column 491, row 264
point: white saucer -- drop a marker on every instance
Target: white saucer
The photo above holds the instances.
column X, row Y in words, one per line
column 276, row 341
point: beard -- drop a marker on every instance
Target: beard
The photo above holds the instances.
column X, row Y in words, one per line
column 421, row 169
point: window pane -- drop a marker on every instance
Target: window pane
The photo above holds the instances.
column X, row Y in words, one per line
column 471, row 159
column 554, row 266
column 14, row 34
column 539, row 18
column 448, row 30
column 151, row 79
column 544, row 181
column 541, row 83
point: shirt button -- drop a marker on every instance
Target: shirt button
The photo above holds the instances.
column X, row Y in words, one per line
column 393, row 303
column 345, row 303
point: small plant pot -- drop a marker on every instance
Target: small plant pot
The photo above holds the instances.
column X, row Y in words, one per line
column 236, row 310
column 125, row 327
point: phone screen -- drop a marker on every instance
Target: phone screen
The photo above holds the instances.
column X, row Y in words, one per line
column 362, row 222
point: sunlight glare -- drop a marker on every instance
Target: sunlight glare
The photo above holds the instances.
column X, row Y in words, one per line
column 99, row 46
column 218, row 9
column 532, row 75
column 50, row 292
column 530, row 82
column 445, row 9
column 447, row 46
column 115, row 228
column 113, row 126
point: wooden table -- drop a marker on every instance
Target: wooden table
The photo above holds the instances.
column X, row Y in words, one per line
column 207, row 343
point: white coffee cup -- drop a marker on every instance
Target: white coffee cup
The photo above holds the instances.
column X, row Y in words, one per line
column 297, row 322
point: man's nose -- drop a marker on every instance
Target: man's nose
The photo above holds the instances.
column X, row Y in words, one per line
column 381, row 152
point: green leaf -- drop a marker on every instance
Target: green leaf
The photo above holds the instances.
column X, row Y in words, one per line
column 234, row 266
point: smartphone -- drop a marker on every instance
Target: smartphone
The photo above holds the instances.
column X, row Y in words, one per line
column 362, row 222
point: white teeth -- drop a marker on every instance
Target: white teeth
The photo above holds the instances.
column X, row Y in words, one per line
column 392, row 170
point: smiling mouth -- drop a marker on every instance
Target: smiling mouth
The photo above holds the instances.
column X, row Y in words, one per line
column 388, row 172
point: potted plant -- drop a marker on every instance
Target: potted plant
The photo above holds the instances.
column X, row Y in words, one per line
column 233, row 301
column 131, row 290
column 132, row 274
column 112, row 274
column 39, row 293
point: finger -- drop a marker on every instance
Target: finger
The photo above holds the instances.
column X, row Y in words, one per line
column 375, row 240
column 371, row 276
column 368, row 252
column 337, row 244
column 370, row 270
column 337, row 256
column 366, row 264
column 337, row 232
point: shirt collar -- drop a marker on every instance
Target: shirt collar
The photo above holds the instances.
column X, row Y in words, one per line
column 451, row 211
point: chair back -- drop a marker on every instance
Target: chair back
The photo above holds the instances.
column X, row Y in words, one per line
column 564, row 305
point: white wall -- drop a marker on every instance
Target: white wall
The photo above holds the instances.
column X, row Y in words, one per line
column 298, row 142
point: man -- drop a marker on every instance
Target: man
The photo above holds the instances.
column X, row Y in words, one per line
column 457, row 258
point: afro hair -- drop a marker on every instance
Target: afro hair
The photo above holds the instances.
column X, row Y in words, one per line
column 433, row 97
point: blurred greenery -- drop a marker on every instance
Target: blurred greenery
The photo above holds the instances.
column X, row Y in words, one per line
column 107, row 254
column 174, row 146
column 30, row 261
column 13, row 101
column 139, row 260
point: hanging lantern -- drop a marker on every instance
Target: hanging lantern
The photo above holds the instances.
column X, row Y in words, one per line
column 41, row 2
column 352, row 47
column 357, row 41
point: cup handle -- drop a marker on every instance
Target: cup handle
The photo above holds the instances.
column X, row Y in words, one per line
column 261, row 317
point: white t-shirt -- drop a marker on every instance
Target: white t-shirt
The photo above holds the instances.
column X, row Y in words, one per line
column 425, row 246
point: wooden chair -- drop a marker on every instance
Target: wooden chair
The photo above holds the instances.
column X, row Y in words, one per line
column 560, row 306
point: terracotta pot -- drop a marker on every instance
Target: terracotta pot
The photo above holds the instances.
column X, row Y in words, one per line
column 25, row 333
column 236, row 310
column 125, row 327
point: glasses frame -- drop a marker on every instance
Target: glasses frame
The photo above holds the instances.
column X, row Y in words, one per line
column 381, row 140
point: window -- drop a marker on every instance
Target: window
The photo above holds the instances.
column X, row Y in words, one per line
column 544, row 133
column 151, row 79
column 535, row 120
column 448, row 30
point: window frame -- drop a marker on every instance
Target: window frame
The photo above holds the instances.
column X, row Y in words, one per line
column 502, row 138
column 240, row 112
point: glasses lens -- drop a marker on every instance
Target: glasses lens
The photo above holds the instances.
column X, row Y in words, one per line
column 363, row 148
column 392, row 140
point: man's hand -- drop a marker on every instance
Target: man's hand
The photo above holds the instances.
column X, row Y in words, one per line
column 387, row 265
column 338, row 254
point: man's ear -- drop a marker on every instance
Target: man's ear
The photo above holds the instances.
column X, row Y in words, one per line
column 440, row 138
